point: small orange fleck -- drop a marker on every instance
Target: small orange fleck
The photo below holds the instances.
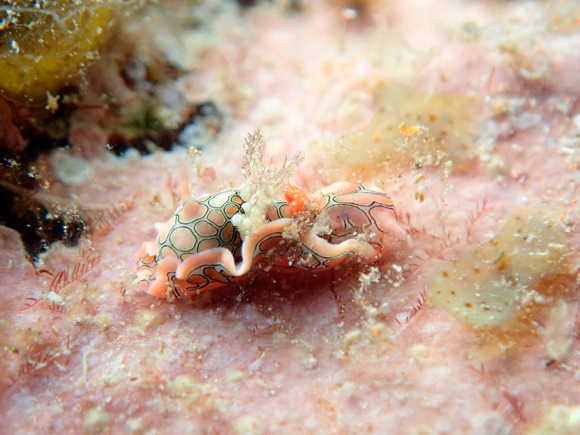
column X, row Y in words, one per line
column 468, row 305
column 408, row 131
column 361, row 301
column 445, row 273
column 344, row 359
column 376, row 331
column 501, row 266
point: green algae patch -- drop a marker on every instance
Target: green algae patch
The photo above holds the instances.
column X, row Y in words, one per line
column 409, row 128
column 47, row 46
column 486, row 285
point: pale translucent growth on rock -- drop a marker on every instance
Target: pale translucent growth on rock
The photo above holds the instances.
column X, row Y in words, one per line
column 186, row 385
column 147, row 319
column 235, row 378
column 70, row 169
column 105, row 320
column 419, row 352
column 96, row 420
column 485, row 286
column 561, row 420
column 263, row 182
column 135, row 425
column 248, row 425
column 559, row 331
column 436, row 129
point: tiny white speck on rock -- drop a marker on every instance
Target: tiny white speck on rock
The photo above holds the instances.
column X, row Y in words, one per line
column 309, row 362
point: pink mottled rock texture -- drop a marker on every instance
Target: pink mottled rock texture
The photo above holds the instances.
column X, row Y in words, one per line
column 357, row 349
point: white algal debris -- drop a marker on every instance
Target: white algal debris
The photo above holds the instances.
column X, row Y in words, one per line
column 262, row 184
column 235, row 378
column 419, row 352
column 255, row 366
column 135, row 425
column 53, row 297
column 402, row 317
column 367, row 278
column 560, row 104
column 309, row 362
column 248, row 425
column 96, row 420
column 351, row 337
column 349, row 388
column 559, row 331
column 527, row 120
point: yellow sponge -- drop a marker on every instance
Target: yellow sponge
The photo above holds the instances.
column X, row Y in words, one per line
column 43, row 49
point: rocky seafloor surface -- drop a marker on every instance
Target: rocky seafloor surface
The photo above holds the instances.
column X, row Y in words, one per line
column 465, row 112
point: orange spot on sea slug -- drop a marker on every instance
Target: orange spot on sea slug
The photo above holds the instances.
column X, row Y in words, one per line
column 296, row 197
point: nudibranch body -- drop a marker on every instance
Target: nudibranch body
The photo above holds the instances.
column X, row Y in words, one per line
column 199, row 248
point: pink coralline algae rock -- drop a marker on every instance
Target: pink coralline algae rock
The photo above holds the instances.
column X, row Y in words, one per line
column 464, row 112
